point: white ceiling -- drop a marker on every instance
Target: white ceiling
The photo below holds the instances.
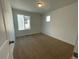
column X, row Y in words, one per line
column 29, row 5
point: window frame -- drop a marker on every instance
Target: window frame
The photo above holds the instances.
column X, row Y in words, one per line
column 29, row 17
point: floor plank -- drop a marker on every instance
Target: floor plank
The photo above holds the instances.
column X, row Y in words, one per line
column 41, row 46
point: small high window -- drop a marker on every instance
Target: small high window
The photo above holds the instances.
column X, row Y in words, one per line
column 47, row 18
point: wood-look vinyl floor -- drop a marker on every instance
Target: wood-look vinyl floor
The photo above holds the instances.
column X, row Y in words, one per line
column 41, row 46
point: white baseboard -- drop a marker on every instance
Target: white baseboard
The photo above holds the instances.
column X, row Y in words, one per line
column 51, row 35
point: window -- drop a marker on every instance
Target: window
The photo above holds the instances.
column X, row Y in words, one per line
column 23, row 22
column 47, row 18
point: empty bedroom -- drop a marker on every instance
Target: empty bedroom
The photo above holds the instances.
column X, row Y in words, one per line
column 45, row 29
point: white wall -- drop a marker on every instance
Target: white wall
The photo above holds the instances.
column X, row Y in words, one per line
column 63, row 25
column 35, row 23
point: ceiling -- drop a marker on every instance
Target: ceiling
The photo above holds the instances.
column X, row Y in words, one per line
column 29, row 5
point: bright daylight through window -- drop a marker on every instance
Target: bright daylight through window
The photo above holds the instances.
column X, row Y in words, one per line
column 23, row 22
column 47, row 18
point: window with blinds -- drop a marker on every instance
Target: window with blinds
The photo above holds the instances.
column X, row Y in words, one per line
column 23, row 22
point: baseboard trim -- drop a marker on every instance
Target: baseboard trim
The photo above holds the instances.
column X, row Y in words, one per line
column 58, row 39
column 27, row 35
